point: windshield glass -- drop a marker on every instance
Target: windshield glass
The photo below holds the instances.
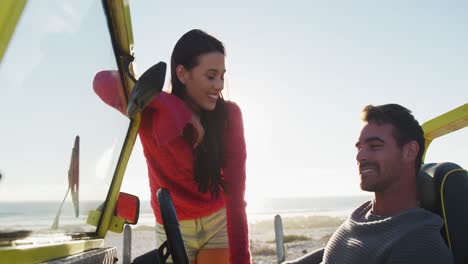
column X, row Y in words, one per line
column 46, row 80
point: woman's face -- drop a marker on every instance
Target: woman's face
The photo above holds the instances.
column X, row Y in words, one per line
column 204, row 82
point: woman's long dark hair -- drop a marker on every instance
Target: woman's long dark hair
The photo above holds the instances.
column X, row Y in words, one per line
column 209, row 155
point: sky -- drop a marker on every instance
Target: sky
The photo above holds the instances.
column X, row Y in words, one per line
column 301, row 72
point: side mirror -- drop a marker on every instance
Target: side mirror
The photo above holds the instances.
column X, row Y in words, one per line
column 127, row 211
column 128, row 207
column 108, row 87
column 146, row 88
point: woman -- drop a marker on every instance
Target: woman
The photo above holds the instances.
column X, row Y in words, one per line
column 194, row 146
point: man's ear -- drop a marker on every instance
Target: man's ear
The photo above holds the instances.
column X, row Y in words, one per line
column 182, row 73
column 410, row 150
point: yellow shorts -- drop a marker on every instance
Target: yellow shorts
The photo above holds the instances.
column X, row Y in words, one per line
column 202, row 233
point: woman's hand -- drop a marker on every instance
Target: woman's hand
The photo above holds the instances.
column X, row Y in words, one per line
column 199, row 131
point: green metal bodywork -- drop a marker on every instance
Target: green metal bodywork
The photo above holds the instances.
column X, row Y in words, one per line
column 10, row 12
column 38, row 253
column 444, row 124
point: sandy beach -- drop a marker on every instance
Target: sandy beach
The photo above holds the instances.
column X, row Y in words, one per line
column 302, row 234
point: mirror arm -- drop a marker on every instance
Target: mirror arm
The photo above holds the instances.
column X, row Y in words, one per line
column 127, row 60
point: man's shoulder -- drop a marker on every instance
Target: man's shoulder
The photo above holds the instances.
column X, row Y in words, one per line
column 421, row 245
column 422, row 218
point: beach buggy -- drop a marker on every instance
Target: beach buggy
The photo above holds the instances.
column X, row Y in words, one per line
column 63, row 152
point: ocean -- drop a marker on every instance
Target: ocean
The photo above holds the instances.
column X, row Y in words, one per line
column 340, row 206
column 39, row 215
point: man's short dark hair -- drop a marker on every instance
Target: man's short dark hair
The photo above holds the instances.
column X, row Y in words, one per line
column 406, row 127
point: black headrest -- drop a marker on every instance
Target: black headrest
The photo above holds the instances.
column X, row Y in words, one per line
column 443, row 189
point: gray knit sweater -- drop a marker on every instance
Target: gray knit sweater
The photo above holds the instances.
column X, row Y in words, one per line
column 412, row 236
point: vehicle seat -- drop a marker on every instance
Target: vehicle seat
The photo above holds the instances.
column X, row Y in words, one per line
column 443, row 189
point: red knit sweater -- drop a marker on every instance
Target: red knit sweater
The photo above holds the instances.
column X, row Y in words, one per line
column 170, row 165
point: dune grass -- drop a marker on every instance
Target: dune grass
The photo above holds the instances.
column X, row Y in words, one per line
column 261, row 249
column 299, row 222
column 311, row 222
column 292, row 238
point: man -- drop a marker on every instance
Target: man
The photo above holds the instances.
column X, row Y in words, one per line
column 391, row 228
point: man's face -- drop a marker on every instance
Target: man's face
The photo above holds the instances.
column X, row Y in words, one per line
column 379, row 157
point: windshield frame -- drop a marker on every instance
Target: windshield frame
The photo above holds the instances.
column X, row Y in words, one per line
column 120, row 29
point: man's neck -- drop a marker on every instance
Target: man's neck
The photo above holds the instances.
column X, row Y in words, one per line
column 395, row 200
